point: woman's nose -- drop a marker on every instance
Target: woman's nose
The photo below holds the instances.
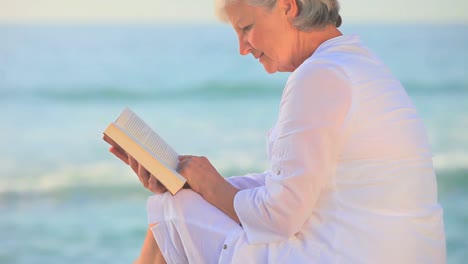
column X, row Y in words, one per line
column 244, row 46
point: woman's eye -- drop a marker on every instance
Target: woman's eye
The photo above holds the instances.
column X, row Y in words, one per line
column 247, row 28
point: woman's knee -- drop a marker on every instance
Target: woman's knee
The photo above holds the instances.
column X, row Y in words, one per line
column 166, row 206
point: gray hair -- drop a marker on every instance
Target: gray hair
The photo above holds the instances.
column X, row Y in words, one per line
column 313, row 14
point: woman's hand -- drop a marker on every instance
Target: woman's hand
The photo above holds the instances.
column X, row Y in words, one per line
column 204, row 179
column 149, row 181
column 200, row 174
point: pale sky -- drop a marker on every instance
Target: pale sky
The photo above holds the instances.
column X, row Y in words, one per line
column 151, row 11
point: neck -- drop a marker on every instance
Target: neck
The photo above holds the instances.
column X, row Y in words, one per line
column 308, row 42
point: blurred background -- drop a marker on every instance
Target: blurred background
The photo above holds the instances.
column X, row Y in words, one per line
column 67, row 69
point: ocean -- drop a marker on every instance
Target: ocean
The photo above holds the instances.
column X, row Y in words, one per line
column 65, row 199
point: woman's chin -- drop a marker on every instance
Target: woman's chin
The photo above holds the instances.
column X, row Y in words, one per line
column 269, row 68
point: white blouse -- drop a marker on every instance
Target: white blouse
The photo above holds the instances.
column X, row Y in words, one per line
column 351, row 177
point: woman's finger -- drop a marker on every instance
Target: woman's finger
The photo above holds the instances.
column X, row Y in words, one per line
column 183, row 164
column 156, row 186
column 133, row 164
column 144, row 175
column 135, row 167
column 122, row 156
column 185, row 157
column 150, row 182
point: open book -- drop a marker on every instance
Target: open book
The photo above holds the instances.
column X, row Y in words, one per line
column 130, row 134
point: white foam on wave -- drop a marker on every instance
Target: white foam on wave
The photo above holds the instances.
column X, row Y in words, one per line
column 240, row 165
column 50, row 178
column 103, row 174
column 454, row 160
column 107, row 173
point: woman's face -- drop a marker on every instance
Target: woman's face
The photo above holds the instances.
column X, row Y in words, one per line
column 263, row 33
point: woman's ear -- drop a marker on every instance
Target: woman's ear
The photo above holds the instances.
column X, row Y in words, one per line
column 289, row 7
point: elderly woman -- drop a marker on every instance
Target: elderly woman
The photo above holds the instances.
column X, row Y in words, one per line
column 351, row 178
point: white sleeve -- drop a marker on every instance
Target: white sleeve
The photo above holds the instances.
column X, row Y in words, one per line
column 315, row 104
column 248, row 181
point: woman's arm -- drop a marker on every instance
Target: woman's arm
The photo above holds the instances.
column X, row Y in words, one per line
column 248, row 181
column 314, row 108
column 204, row 179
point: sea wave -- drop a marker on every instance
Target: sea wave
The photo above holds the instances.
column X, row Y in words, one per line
column 216, row 90
column 451, row 160
column 106, row 179
column 207, row 90
column 97, row 179
column 436, row 88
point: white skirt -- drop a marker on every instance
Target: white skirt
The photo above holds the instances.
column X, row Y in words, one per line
column 188, row 229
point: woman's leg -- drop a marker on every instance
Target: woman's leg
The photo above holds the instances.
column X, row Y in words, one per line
column 188, row 229
column 150, row 252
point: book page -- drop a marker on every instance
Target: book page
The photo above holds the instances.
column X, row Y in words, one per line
column 140, row 131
